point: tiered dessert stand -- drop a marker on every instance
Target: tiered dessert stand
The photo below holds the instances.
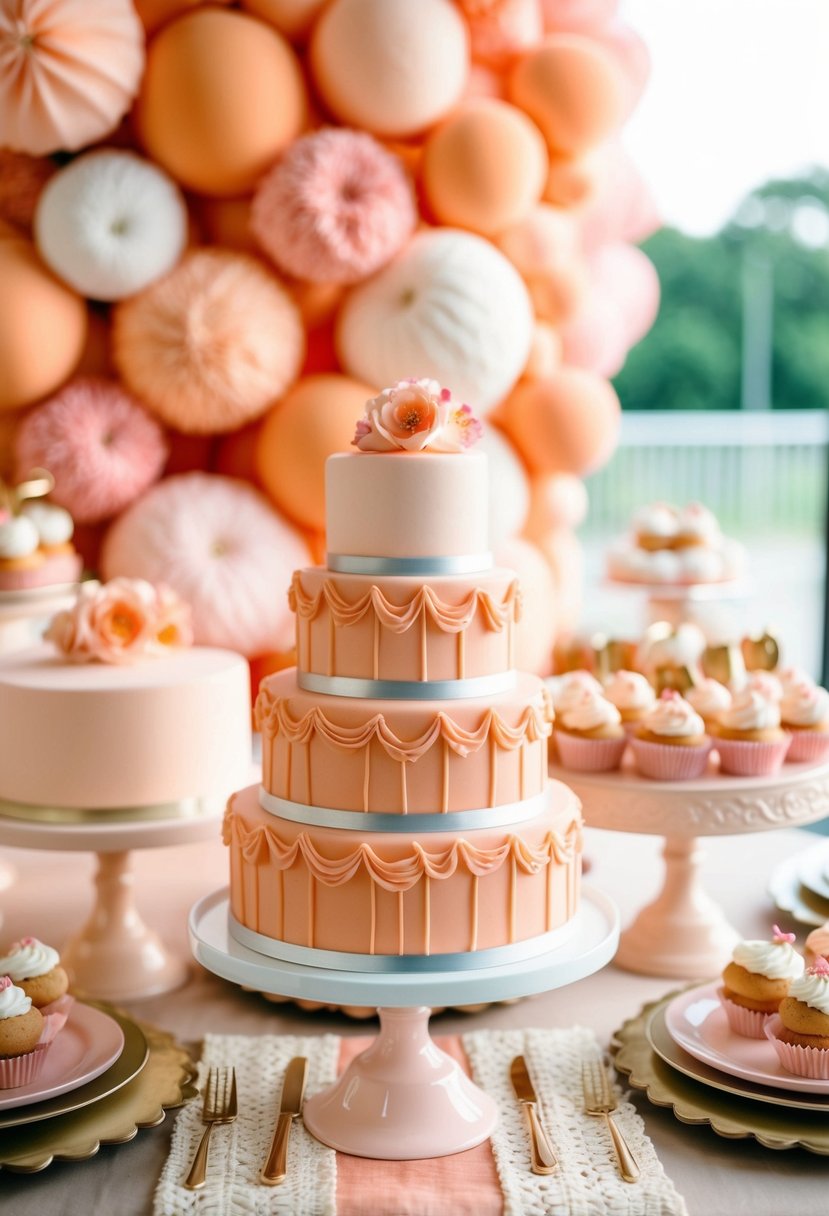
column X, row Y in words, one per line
column 683, row 933
column 115, row 956
column 403, row 1098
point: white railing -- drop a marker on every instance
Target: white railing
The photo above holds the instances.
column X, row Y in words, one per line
column 756, row 471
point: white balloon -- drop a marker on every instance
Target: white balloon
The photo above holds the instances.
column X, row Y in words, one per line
column 110, row 223
column 451, row 306
column 509, row 490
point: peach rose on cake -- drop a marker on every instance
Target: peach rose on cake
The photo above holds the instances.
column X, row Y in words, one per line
column 121, row 621
column 413, row 415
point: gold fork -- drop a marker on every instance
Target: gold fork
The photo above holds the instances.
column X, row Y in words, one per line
column 601, row 1101
column 219, row 1107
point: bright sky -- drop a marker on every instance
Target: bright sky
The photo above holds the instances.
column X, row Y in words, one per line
column 739, row 93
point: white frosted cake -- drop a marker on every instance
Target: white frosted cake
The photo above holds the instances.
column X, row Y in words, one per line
column 405, row 808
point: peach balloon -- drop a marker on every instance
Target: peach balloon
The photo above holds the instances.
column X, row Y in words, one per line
column 312, row 421
column 390, row 66
column 557, row 500
column 568, row 423
column 42, row 326
column 573, row 89
column 293, row 18
column 317, row 302
column 632, row 56
column 484, row 168
column 155, row 13
column 483, row 81
column 581, row 16
column 68, row 71
column 222, row 95
column 622, row 207
column 570, row 183
column 545, row 352
column 557, row 293
column 500, row 31
column 545, row 239
column 536, row 630
column 595, row 337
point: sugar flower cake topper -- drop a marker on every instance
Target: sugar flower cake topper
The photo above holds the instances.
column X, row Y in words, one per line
column 121, row 621
column 414, row 415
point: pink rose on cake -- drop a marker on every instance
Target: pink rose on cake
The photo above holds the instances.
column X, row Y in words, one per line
column 413, row 415
column 121, row 621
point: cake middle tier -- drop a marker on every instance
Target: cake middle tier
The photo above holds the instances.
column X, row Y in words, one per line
column 453, row 627
column 403, row 757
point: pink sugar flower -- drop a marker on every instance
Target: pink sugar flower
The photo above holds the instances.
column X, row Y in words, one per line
column 413, row 415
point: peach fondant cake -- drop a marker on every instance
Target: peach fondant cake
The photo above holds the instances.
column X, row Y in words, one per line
column 405, row 809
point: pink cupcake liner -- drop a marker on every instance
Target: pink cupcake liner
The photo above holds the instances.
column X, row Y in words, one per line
column 751, row 758
column 750, row 1023
column 808, row 746
column 670, row 762
column 802, row 1061
column 22, row 1070
column 589, row 755
column 55, row 1015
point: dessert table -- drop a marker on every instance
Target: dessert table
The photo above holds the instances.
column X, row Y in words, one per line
column 715, row 1175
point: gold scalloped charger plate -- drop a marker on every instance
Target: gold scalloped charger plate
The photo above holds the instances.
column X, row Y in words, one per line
column 725, row 1107
column 164, row 1082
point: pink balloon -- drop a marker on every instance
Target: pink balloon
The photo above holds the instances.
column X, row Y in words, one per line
column 631, row 54
column 596, row 338
column 499, row 33
column 625, row 275
column 579, row 15
column 622, row 207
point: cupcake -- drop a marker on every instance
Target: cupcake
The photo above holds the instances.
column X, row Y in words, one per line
column 766, row 683
column 589, row 734
column 817, row 944
column 656, row 526
column 632, row 695
column 709, row 698
column 21, row 1026
column 748, row 736
column 697, row 525
column 670, row 743
column 567, row 688
column 36, row 968
column 757, row 979
column 804, row 714
column 800, row 1031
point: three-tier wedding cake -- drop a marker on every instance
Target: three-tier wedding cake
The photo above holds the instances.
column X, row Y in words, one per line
column 405, row 809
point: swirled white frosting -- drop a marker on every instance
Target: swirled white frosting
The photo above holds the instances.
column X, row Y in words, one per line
column 708, row 698
column 27, row 959
column 14, row 1002
column 812, row 990
column 568, row 688
column 656, row 519
column 789, row 676
column 629, row 690
column 750, row 710
column 18, row 537
column 766, row 684
column 673, row 717
column 698, row 521
column 54, row 524
column 805, row 705
column 590, row 712
column 775, row 960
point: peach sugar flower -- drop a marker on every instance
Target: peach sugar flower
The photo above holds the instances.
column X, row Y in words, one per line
column 413, row 415
column 121, row 621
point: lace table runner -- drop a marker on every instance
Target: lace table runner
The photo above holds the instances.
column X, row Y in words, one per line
column 587, row 1183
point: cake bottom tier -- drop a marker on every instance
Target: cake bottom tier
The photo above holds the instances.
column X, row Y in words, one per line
column 403, row 893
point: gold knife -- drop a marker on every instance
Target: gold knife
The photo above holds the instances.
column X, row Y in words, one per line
column 543, row 1160
column 275, row 1168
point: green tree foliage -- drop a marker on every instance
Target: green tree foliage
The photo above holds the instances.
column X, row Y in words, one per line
column 692, row 357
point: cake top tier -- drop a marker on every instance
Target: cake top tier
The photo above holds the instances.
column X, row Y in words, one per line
column 413, row 497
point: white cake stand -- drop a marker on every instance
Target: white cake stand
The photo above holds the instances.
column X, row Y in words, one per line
column 403, row 1098
column 115, row 956
column 683, row 933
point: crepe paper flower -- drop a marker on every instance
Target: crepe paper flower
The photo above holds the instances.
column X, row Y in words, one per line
column 335, row 208
column 120, row 622
column 413, row 415
column 102, row 447
column 779, row 937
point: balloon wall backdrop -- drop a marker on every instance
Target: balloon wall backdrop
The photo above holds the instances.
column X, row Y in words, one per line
column 224, row 226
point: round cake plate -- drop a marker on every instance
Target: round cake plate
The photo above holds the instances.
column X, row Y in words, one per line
column 403, row 1098
column 791, row 896
column 115, row 956
column 813, row 870
column 684, row 934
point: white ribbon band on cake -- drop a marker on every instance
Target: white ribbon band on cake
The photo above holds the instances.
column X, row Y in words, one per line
column 374, row 821
column 347, row 563
column 185, row 808
column 407, row 690
column 401, row 964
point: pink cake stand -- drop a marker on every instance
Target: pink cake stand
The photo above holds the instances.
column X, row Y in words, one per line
column 115, row 956
column 684, row 933
column 403, row 1098
column 676, row 602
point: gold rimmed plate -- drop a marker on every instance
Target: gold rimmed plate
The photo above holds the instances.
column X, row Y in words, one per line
column 165, row 1081
column 733, row 1115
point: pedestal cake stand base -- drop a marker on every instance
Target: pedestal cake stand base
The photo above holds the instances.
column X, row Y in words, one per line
column 403, row 1098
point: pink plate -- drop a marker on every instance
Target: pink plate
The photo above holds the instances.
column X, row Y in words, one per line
column 697, row 1023
column 88, row 1044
